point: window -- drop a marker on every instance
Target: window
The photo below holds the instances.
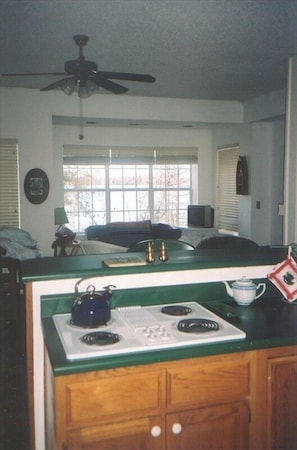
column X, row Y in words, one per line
column 9, row 183
column 125, row 185
column 227, row 200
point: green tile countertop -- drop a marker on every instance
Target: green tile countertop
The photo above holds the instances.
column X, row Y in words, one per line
column 268, row 322
column 51, row 268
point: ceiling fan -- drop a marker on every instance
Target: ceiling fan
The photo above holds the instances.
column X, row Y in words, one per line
column 85, row 76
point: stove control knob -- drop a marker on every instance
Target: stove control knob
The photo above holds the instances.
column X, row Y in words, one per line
column 156, row 431
column 176, row 428
column 151, row 338
column 165, row 336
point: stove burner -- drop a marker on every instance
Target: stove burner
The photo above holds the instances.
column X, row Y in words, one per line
column 176, row 310
column 100, row 338
column 197, row 325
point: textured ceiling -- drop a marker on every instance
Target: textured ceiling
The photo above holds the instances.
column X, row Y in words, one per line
column 200, row 49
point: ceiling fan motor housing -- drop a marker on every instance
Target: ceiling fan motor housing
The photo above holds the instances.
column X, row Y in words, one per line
column 78, row 67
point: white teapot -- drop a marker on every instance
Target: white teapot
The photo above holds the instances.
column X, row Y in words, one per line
column 244, row 291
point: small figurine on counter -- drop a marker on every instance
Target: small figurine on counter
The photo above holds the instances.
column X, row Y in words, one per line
column 163, row 254
column 150, row 257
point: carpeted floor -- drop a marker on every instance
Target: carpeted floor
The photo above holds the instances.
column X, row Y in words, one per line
column 13, row 398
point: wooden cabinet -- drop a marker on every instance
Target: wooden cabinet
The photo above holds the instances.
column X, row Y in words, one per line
column 189, row 404
column 118, row 408
column 217, row 389
column 239, row 401
column 280, row 396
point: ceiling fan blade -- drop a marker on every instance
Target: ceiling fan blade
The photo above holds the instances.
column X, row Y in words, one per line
column 58, row 84
column 31, row 74
column 109, row 85
column 128, row 76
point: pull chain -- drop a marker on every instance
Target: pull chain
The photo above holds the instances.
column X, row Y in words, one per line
column 81, row 123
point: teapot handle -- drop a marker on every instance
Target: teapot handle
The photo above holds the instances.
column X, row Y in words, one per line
column 263, row 289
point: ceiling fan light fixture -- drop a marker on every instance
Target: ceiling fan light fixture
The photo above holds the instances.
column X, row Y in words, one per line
column 87, row 88
column 92, row 87
column 83, row 92
column 68, row 86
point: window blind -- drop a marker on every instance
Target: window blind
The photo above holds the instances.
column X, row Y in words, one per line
column 9, row 183
column 227, row 200
column 79, row 154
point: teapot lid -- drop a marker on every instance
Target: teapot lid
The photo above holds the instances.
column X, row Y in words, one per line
column 243, row 282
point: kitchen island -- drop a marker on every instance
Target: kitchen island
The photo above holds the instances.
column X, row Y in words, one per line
column 187, row 276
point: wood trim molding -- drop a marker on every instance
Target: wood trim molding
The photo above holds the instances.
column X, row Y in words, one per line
column 30, row 362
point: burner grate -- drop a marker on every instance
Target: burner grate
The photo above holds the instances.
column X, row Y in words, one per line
column 100, row 338
column 71, row 324
column 197, row 325
column 176, row 310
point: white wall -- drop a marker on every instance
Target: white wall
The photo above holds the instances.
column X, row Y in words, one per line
column 266, row 107
column 290, row 222
column 237, row 135
column 277, row 187
column 26, row 115
column 262, row 143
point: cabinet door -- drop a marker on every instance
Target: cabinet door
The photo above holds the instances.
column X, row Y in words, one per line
column 282, row 403
column 139, row 434
column 217, row 427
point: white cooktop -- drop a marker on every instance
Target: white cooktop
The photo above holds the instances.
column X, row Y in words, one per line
column 142, row 329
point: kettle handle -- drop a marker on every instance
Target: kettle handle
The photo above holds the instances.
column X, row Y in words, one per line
column 107, row 288
column 263, row 286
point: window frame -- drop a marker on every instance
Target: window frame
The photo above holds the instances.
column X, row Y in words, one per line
column 110, row 159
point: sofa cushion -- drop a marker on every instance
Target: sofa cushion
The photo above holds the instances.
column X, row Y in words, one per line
column 98, row 233
column 121, row 233
column 128, row 233
column 18, row 235
column 165, row 231
column 15, row 250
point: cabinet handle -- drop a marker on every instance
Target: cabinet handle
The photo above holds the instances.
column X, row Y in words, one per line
column 156, row 431
column 176, row 428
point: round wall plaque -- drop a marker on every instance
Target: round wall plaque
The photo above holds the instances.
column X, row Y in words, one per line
column 36, row 186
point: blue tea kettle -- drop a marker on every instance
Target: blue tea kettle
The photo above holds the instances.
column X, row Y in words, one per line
column 91, row 309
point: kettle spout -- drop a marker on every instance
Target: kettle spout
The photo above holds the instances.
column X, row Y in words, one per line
column 109, row 288
column 108, row 291
column 228, row 289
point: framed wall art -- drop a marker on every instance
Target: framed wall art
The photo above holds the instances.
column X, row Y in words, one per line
column 36, row 186
column 242, row 176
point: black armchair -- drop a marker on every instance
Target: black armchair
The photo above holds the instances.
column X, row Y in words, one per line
column 217, row 242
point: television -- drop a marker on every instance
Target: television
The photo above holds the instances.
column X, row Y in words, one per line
column 200, row 216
